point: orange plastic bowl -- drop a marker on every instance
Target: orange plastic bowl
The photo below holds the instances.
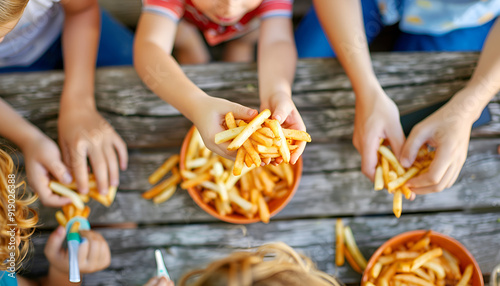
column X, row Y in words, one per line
column 275, row 205
column 443, row 241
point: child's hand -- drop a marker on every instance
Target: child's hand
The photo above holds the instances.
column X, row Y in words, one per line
column 42, row 158
column 93, row 254
column 209, row 122
column 159, row 281
column 85, row 133
column 376, row 117
column 447, row 130
column 283, row 109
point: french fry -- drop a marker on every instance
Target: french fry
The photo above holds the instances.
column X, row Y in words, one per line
column 403, row 179
column 252, row 152
column 195, row 181
column 350, row 259
column 387, row 275
column 376, row 269
column 75, row 227
column 238, row 163
column 379, row 179
column 296, row 135
column 249, row 129
column 266, row 131
column 263, row 210
column 339, row 242
column 228, row 134
column 397, row 205
column 66, row 192
column 61, row 219
column 385, row 170
column 436, row 268
column 425, row 257
column 230, row 122
column 387, row 153
column 196, row 163
column 466, row 276
column 266, row 149
column 406, row 191
column 278, row 133
column 289, row 176
column 353, row 247
column 235, row 198
column 412, row 279
column 194, row 144
column 163, row 169
column 173, row 180
column 211, row 162
column 94, row 193
column 262, row 139
column 165, row 195
column 86, row 212
column 111, row 194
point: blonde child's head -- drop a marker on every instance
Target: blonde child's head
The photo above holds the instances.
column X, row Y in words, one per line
column 275, row 264
column 17, row 219
column 10, row 13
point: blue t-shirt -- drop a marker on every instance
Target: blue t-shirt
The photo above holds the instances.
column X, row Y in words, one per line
column 437, row 17
column 8, row 278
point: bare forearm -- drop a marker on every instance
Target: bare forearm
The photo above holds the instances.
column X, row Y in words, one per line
column 161, row 73
column 80, row 40
column 485, row 81
column 276, row 65
column 19, row 131
column 342, row 22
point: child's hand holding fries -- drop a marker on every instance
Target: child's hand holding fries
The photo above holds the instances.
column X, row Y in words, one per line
column 209, row 121
column 285, row 112
column 260, row 139
column 390, row 174
column 449, row 133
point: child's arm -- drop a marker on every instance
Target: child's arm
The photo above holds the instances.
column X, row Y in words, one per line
column 376, row 115
column 93, row 256
column 162, row 74
column 277, row 58
column 448, row 129
column 41, row 155
column 82, row 130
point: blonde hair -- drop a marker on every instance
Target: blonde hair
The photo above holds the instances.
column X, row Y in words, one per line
column 14, row 213
column 274, row 264
column 10, row 10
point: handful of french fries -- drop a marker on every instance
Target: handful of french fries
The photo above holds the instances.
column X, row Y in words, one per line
column 166, row 188
column 391, row 175
column 418, row 263
column 77, row 207
column 346, row 248
column 246, row 194
column 259, row 139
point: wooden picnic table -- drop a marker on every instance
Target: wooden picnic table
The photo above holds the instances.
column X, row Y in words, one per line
column 332, row 184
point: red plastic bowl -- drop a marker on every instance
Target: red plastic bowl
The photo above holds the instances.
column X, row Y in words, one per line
column 443, row 241
column 275, row 205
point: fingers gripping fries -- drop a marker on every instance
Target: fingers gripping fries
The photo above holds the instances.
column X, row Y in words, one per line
column 271, row 141
column 78, row 207
column 419, row 263
column 233, row 187
column 390, row 174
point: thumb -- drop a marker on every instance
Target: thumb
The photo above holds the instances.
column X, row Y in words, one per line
column 244, row 113
column 59, row 170
column 410, row 149
column 281, row 112
column 54, row 243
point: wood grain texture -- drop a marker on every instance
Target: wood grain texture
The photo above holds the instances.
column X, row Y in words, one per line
column 192, row 246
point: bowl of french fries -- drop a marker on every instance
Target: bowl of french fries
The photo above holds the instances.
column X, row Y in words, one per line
column 424, row 258
column 256, row 194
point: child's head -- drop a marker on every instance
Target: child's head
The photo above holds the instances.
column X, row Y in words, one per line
column 10, row 13
column 226, row 12
column 274, row 264
column 16, row 218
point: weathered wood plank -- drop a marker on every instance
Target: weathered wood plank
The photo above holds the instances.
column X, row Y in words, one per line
column 320, row 193
column 191, row 246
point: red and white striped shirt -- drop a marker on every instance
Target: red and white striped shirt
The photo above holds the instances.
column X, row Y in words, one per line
column 213, row 32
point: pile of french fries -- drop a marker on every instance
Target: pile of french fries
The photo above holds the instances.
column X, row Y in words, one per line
column 391, row 175
column 259, row 139
column 77, row 206
column 418, row 263
column 166, row 188
column 246, row 194
column 347, row 249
